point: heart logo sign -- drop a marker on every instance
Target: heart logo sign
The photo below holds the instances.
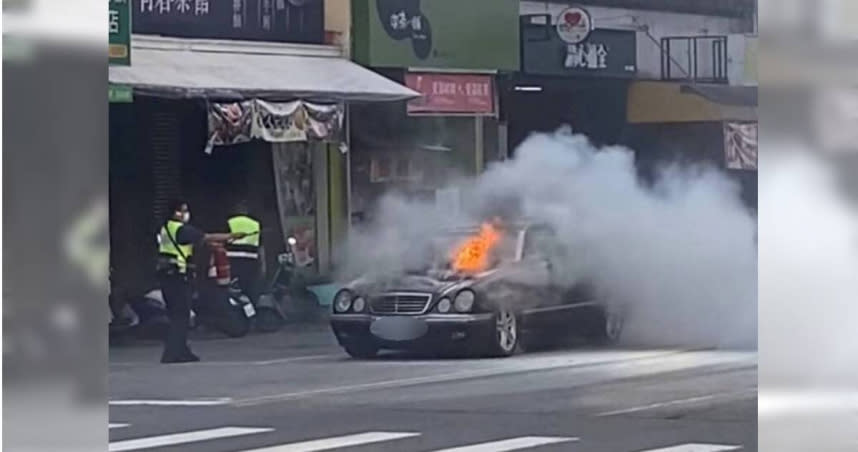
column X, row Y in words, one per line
column 572, row 19
column 574, row 25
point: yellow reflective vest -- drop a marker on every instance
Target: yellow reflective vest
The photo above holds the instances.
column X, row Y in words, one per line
column 169, row 246
column 247, row 247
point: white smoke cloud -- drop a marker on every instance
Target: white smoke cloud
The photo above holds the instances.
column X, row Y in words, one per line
column 680, row 254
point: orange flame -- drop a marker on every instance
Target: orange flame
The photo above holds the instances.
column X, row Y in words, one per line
column 473, row 255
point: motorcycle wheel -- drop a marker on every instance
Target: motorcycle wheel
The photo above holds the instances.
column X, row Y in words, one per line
column 268, row 320
column 234, row 323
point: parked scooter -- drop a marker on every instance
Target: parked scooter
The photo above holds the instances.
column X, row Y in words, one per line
column 269, row 314
column 218, row 303
column 140, row 317
column 287, row 288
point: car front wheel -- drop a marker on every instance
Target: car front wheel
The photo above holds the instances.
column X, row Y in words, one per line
column 505, row 341
column 361, row 351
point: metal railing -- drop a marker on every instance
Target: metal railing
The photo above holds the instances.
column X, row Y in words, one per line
column 701, row 59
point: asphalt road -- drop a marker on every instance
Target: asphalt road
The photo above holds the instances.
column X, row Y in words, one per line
column 296, row 391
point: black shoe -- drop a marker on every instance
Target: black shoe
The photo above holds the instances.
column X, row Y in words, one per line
column 191, row 358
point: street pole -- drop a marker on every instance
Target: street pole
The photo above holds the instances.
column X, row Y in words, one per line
column 479, row 144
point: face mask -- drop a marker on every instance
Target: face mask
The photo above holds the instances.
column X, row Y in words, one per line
column 186, row 217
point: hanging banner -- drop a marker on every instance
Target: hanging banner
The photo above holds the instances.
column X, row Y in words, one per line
column 740, row 145
column 325, row 122
column 280, row 122
column 274, row 122
column 229, row 123
column 296, row 121
column 296, row 197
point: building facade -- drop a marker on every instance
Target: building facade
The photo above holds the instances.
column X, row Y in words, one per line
column 233, row 101
column 454, row 54
column 675, row 81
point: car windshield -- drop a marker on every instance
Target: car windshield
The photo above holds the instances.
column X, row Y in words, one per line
column 470, row 250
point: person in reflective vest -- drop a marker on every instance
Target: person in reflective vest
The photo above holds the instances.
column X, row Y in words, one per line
column 244, row 254
column 176, row 242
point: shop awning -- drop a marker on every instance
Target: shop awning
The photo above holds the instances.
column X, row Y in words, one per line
column 172, row 67
column 670, row 102
column 741, row 96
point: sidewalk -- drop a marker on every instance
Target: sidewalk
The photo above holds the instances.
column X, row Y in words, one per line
column 292, row 340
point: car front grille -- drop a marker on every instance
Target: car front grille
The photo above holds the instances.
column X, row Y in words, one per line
column 400, row 303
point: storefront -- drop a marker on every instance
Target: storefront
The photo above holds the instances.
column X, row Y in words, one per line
column 570, row 78
column 715, row 124
column 221, row 121
column 453, row 55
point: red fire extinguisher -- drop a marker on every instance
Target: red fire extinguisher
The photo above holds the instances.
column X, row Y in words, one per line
column 219, row 265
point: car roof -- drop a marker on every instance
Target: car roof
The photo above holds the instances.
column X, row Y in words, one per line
column 516, row 225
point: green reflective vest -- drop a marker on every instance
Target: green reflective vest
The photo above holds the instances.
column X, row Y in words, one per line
column 247, row 247
column 169, row 246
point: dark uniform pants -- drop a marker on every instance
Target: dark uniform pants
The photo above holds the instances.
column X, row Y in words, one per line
column 177, row 296
column 247, row 272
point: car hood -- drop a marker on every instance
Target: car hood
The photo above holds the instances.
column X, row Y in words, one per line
column 415, row 283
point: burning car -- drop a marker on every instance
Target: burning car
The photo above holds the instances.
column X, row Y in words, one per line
column 487, row 290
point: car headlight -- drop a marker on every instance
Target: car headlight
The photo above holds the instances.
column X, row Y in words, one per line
column 465, row 301
column 444, row 305
column 359, row 304
column 343, row 301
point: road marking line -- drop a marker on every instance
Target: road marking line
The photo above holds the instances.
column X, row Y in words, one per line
column 653, row 406
column 523, row 442
column 210, row 402
column 337, row 442
column 128, row 364
column 696, row 448
column 268, row 362
column 441, row 378
column 183, row 438
column 117, row 425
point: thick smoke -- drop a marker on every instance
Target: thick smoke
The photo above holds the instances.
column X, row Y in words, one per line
column 680, row 254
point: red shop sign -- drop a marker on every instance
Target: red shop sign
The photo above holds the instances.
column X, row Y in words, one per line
column 451, row 93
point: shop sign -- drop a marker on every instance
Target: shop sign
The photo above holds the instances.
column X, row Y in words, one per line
column 120, row 94
column 574, row 25
column 257, row 20
column 451, row 94
column 119, row 32
column 611, row 53
column 460, row 34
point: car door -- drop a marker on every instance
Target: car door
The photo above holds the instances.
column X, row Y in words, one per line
column 539, row 254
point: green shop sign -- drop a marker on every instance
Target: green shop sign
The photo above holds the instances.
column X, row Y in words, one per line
column 119, row 16
column 450, row 34
column 120, row 94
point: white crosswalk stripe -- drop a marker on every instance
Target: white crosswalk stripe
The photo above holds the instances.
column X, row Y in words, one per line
column 337, row 442
column 519, row 443
column 695, row 448
column 367, row 438
column 183, row 438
